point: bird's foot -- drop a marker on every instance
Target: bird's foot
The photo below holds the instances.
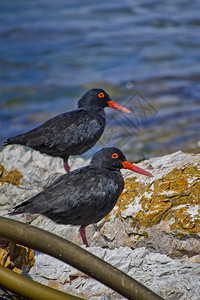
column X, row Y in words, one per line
column 83, row 236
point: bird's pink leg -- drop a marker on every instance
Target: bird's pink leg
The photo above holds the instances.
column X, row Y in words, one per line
column 66, row 166
column 83, row 236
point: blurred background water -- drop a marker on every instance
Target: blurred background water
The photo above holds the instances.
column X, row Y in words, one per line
column 144, row 53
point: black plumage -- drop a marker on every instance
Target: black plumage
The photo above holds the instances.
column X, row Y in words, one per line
column 71, row 133
column 83, row 196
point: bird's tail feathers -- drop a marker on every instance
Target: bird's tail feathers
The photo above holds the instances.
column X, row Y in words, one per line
column 19, row 139
column 24, row 207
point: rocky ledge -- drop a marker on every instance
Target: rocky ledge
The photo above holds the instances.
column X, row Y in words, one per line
column 158, row 216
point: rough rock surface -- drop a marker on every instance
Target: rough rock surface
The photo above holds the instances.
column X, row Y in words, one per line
column 161, row 213
column 172, row 279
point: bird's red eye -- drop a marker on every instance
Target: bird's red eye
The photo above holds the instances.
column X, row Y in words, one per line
column 114, row 155
column 101, row 95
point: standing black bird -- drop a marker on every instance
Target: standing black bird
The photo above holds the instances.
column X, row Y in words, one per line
column 83, row 196
column 71, row 133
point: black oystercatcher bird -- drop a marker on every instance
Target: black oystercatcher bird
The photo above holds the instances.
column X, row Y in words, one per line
column 71, row 133
column 85, row 195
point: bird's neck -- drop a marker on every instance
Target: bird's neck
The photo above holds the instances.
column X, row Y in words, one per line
column 97, row 110
column 100, row 166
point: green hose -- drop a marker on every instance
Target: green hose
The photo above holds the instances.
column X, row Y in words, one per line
column 75, row 256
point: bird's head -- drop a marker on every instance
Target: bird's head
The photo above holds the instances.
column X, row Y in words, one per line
column 113, row 158
column 95, row 98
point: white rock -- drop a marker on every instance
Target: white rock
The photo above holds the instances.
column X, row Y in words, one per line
column 172, row 279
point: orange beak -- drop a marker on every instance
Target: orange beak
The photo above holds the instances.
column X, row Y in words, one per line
column 128, row 165
column 118, row 107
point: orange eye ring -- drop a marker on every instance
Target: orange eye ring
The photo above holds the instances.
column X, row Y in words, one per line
column 114, row 155
column 101, row 95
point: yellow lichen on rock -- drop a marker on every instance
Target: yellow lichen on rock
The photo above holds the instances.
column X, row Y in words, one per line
column 2, row 169
column 13, row 176
column 174, row 197
column 16, row 257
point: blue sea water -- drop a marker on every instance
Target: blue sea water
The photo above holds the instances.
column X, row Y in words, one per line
column 144, row 53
